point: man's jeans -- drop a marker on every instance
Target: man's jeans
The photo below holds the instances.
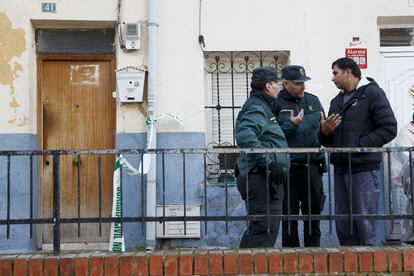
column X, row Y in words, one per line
column 365, row 199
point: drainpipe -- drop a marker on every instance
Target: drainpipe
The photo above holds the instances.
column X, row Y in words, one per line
column 152, row 81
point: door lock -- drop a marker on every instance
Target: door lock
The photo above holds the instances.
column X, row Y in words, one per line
column 77, row 161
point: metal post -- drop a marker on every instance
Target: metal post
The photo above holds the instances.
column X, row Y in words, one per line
column 31, row 196
column 351, row 204
column 329, row 194
column 184, row 197
column 8, row 197
column 308, row 171
column 100, row 194
column 78, row 192
column 410, row 160
column 267, row 194
column 56, row 204
column 205, row 194
column 226, row 194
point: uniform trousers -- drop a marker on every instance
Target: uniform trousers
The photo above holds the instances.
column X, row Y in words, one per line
column 301, row 194
column 262, row 232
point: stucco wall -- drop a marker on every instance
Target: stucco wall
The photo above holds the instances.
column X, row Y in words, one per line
column 315, row 32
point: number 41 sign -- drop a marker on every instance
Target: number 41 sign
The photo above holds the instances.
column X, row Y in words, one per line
column 48, row 7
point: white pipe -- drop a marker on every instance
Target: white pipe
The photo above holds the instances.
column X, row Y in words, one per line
column 152, row 81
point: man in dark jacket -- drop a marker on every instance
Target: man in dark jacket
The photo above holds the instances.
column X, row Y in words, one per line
column 261, row 178
column 298, row 113
column 359, row 116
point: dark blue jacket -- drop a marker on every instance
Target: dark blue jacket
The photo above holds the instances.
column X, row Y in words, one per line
column 257, row 127
column 368, row 122
column 304, row 135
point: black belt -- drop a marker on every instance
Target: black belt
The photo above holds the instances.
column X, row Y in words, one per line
column 312, row 162
column 258, row 170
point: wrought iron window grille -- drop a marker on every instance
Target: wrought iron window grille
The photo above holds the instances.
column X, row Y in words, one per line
column 228, row 85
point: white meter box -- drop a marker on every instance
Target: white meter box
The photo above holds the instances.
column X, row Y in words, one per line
column 175, row 229
column 132, row 36
column 130, row 83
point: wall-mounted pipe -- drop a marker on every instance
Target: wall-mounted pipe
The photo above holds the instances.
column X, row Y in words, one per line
column 152, row 88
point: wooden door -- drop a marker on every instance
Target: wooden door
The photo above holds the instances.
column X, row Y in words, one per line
column 78, row 112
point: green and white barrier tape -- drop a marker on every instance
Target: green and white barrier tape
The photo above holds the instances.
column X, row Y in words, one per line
column 150, row 134
column 116, row 241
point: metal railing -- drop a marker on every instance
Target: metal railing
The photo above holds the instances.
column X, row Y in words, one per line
column 56, row 220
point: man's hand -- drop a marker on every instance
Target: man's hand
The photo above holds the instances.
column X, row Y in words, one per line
column 297, row 120
column 329, row 124
column 276, row 173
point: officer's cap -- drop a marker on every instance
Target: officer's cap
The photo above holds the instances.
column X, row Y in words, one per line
column 295, row 73
column 267, row 74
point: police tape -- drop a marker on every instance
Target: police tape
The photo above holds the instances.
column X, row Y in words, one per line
column 144, row 166
column 116, row 241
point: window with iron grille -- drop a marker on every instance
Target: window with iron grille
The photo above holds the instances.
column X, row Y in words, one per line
column 228, row 76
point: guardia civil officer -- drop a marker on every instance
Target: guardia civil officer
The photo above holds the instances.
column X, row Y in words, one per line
column 257, row 127
column 298, row 113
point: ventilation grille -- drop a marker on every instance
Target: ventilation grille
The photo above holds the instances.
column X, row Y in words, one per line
column 84, row 41
column 396, row 37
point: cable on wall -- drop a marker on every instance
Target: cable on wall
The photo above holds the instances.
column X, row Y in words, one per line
column 120, row 32
column 200, row 36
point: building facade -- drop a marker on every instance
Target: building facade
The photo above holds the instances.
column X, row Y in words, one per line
column 57, row 78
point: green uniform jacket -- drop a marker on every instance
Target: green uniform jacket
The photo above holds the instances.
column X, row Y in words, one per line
column 257, row 127
column 306, row 134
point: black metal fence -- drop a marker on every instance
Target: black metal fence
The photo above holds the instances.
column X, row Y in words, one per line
column 57, row 220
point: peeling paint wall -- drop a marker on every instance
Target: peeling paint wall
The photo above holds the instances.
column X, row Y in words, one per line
column 18, row 83
column 12, row 46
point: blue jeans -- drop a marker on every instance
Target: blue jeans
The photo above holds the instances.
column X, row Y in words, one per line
column 365, row 199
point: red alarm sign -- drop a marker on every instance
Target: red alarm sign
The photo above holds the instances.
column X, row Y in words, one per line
column 359, row 55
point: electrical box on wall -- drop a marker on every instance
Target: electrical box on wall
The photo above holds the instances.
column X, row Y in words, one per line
column 130, row 84
column 175, row 229
column 132, row 33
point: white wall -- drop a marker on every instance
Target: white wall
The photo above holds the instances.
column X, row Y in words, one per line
column 315, row 32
